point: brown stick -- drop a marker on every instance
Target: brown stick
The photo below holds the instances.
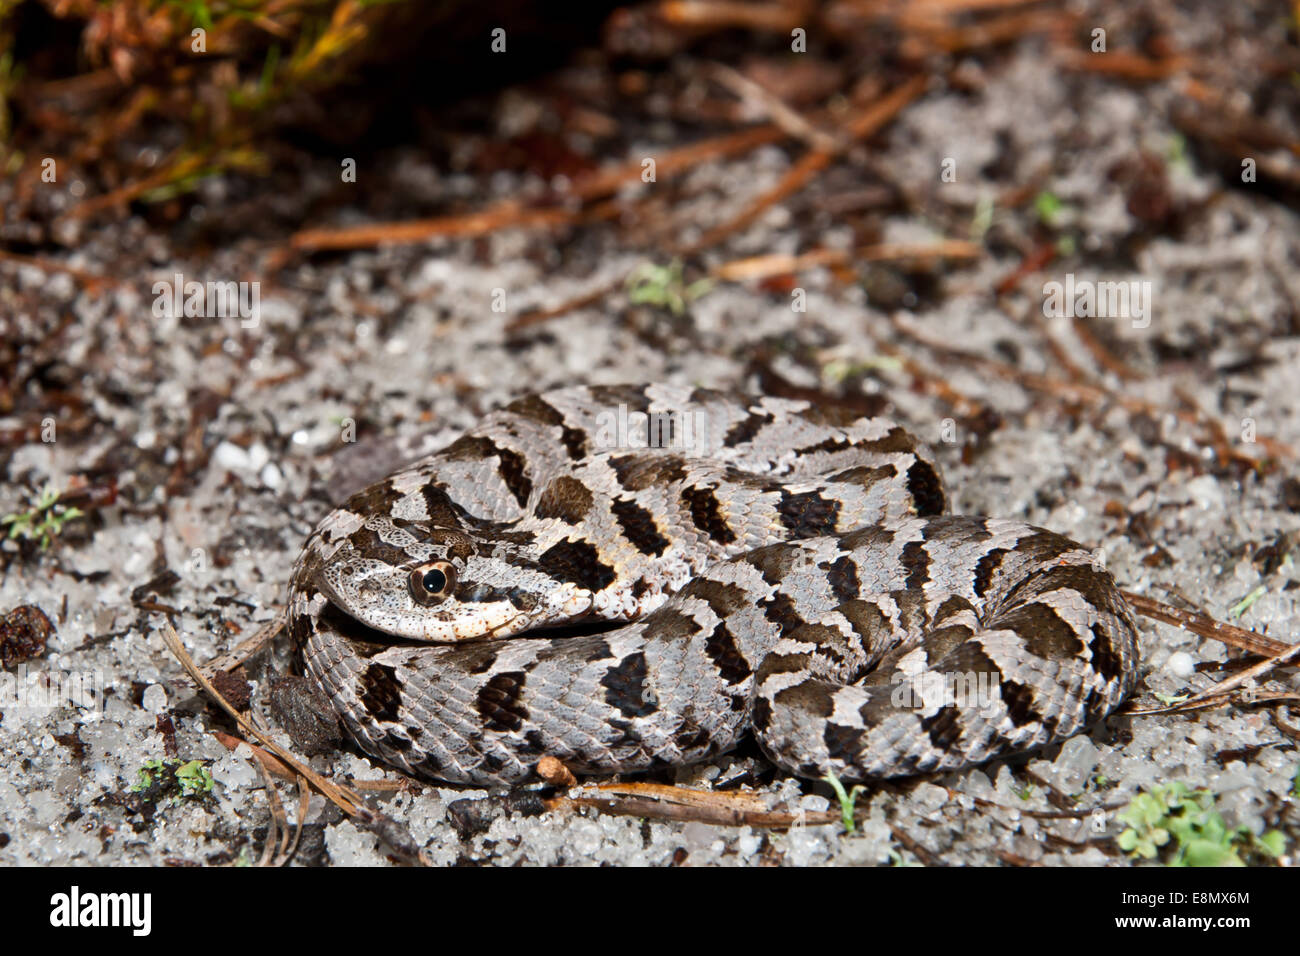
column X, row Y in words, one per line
column 1208, row 627
column 345, row 799
column 716, row 814
column 245, row 650
column 505, row 215
column 511, row 215
column 867, row 122
column 1236, row 680
column 776, row 264
column 1205, row 703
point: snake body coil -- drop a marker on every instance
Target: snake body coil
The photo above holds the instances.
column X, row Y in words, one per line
column 771, row 567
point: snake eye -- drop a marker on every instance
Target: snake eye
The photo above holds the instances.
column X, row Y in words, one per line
column 432, row 583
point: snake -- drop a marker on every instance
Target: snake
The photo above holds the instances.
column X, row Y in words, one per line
column 639, row 577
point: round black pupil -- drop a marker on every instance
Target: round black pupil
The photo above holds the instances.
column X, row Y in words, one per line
column 434, row 580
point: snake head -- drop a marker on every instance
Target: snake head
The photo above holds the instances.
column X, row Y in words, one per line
column 423, row 583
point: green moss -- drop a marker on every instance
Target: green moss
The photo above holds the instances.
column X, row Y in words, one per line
column 43, row 521
column 664, row 287
column 1184, row 828
column 171, row 781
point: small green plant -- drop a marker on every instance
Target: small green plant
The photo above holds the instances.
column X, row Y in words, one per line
column 848, row 800
column 173, row 781
column 1242, row 606
column 147, row 776
column 982, row 220
column 1186, row 825
column 664, row 287
column 43, row 521
column 1176, row 151
column 838, row 370
column 1049, row 208
column 194, row 779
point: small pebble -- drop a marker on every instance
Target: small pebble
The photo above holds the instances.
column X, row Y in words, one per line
column 1181, row 664
column 154, row 698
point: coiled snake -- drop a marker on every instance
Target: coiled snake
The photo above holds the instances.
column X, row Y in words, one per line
column 768, row 566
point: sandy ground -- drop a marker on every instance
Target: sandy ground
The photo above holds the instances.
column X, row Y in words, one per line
column 225, row 443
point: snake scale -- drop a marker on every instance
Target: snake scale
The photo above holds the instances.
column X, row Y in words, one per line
column 546, row 585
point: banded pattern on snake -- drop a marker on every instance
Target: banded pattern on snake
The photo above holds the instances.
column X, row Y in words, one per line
column 789, row 572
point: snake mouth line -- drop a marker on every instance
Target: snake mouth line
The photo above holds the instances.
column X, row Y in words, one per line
column 370, row 640
column 373, row 640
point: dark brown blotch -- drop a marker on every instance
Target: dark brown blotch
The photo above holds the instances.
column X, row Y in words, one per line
column 864, row 476
column 812, row 698
column 706, row 513
column 725, row 653
column 1019, row 701
column 916, row 560
column 723, row 598
column 842, row 576
column 773, row 561
column 511, row 465
column 834, row 414
column 833, row 444
column 638, row 472
column 537, row 409
column 367, row 543
column 985, row 568
column 381, row 692
column 1045, row 545
column 926, row 488
column 565, row 498
column 746, row 428
column 780, row 610
column 1106, row 661
column 944, row 727
column 576, row 562
column 611, row 396
column 470, row 448
column 896, row 441
column 574, row 441
column 668, row 624
column 1044, row 632
column 477, row 658
column 625, row 688
column 690, row 736
column 639, row 527
column 869, row 538
column 807, row 513
column 870, row 624
column 443, row 512
column 513, row 468
column 499, row 702
column 842, row 743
